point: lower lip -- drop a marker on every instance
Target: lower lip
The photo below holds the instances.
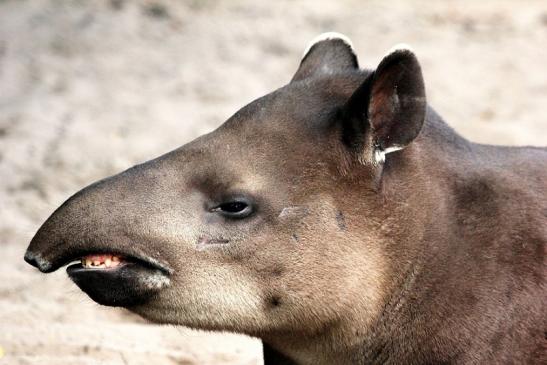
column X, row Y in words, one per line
column 127, row 284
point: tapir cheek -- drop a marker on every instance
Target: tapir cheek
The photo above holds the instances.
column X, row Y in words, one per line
column 213, row 296
column 212, row 220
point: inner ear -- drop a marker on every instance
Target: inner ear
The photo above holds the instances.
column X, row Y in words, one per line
column 329, row 53
column 397, row 100
column 387, row 111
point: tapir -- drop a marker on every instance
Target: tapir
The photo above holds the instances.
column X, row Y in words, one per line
column 337, row 218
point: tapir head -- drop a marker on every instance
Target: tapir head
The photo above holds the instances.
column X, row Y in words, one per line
column 274, row 222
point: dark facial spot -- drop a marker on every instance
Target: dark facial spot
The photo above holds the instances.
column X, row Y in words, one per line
column 271, row 273
column 277, row 271
column 295, row 238
column 275, row 301
column 341, row 221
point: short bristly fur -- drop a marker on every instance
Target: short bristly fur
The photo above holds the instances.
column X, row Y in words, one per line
column 375, row 233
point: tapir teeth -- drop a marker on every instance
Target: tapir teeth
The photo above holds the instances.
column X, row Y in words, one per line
column 101, row 261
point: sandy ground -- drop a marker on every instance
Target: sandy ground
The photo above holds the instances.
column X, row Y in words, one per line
column 89, row 88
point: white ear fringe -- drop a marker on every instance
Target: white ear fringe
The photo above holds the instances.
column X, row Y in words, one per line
column 399, row 47
column 325, row 37
column 380, row 155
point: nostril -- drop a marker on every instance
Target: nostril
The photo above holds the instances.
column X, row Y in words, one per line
column 30, row 258
column 37, row 261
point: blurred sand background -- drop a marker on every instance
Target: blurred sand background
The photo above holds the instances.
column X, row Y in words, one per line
column 90, row 88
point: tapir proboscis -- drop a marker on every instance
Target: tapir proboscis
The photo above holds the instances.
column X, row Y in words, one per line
column 338, row 219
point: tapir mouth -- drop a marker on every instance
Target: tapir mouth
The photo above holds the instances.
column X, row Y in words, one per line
column 104, row 261
column 112, row 279
column 115, row 280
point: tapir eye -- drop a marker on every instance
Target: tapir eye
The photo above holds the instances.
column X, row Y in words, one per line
column 234, row 209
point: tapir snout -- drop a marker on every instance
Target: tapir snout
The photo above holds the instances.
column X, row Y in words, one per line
column 116, row 216
column 337, row 218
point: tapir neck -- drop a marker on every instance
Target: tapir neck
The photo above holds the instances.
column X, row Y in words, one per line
column 458, row 242
column 474, row 253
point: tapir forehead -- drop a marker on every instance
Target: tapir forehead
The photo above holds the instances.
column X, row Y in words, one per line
column 271, row 140
column 306, row 104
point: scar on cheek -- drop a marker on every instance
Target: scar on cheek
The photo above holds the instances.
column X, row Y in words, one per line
column 294, row 212
column 209, row 242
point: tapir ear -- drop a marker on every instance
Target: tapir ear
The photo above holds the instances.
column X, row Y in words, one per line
column 387, row 111
column 328, row 53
